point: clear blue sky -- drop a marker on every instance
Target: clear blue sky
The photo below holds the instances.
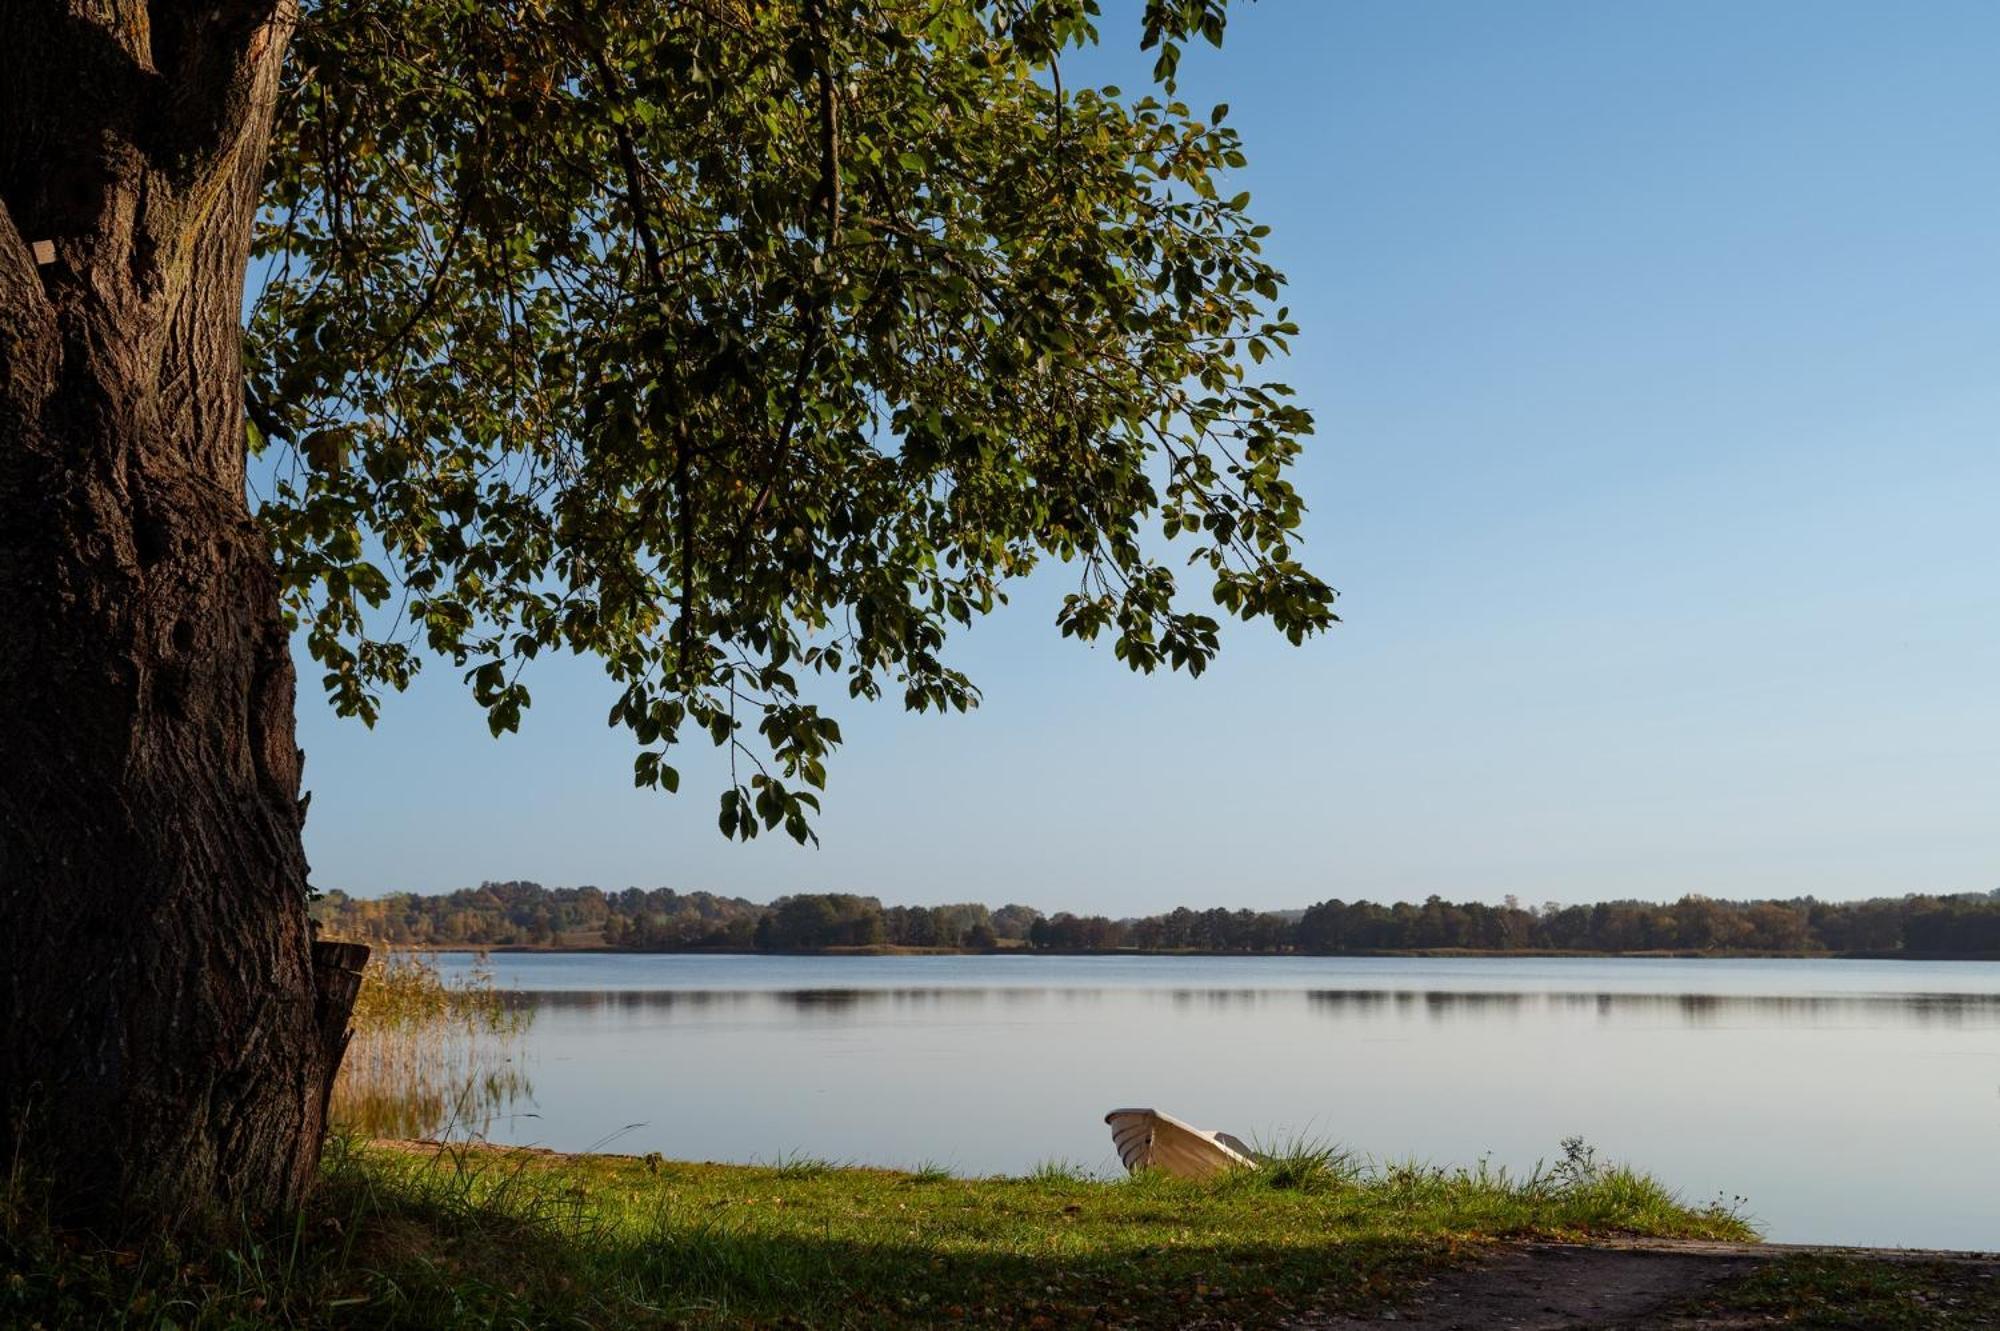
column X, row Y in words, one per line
column 1655, row 349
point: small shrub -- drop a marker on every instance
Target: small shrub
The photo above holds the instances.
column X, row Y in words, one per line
column 1579, row 1167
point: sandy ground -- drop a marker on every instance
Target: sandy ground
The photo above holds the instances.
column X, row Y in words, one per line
column 1556, row 1287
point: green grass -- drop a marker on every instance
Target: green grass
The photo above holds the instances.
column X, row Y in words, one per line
column 488, row 1238
column 796, row 1166
column 1305, row 1164
column 1057, row 1173
column 1839, row 1293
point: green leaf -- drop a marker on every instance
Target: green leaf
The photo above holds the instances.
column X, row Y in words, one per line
column 581, row 354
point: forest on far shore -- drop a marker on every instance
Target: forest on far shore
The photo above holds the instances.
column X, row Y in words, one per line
column 524, row 914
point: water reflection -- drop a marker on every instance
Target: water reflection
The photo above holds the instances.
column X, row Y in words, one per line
column 1436, row 1005
column 452, row 1098
column 1850, row 1101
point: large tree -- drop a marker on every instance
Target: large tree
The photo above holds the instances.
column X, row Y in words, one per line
column 738, row 343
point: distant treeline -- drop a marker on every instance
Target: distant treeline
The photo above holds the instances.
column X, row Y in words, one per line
column 663, row 920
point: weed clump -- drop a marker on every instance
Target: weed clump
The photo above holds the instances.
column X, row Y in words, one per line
column 1306, row 1164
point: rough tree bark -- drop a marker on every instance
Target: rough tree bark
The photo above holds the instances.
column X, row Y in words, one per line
column 163, row 1046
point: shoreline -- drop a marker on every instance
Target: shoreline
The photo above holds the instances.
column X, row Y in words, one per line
column 1150, row 1253
column 890, row 950
column 428, row 1234
column 654, row 1161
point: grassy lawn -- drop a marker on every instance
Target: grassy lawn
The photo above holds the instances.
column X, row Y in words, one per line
column 423, row 1238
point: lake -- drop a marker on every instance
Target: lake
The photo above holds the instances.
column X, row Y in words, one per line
column 1847, row 1101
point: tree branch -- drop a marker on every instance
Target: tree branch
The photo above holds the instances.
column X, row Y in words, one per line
column 829, row 121
column 816, row 312
column 219, row 59
column 642, row 227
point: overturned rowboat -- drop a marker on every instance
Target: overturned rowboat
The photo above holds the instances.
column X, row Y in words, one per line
column 1149, row 1139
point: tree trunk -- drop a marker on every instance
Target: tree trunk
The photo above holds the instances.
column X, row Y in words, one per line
column 162, row 1050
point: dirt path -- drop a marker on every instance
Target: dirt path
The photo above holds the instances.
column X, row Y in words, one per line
column 1557, row 1287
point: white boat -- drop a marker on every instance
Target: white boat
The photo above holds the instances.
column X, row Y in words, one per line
column 1149, row 1139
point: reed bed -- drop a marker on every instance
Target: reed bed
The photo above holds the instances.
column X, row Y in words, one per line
column 432, row 1055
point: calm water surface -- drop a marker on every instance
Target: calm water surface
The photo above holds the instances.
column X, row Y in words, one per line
column 1848, row 1101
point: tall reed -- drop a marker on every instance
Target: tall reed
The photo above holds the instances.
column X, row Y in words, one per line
column 433, row 1055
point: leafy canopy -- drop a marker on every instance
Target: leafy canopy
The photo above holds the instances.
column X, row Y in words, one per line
column 737, row 342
